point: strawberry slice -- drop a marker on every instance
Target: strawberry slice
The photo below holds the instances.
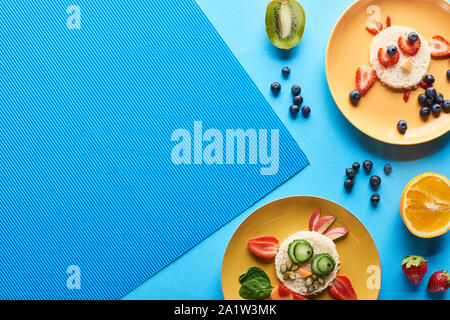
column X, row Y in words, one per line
column 365, row 78
column 440, row 48
column 342, row 289
column 386, row 60
column 407, row 47
column 406, row 95
column 264, row 247
column 296, row 296
column 425, row 85
column 388, row 22
column 283, row 291
column 372, row 30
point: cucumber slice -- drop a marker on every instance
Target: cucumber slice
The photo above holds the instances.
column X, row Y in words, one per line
column 303, row 251
column 291, row 250
column 322, row 264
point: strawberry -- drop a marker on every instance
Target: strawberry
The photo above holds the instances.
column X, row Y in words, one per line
column 365, row 78
column 409, row 48
column 439, row 281
column 440, row 48
column 425, row 85
column 372, row 30
column 298, row 297
column 406, row 95
column 342, row 289
column 388, row 22
column 415, row 268
column 264, row 247
column 386, row 60
column 283, row 291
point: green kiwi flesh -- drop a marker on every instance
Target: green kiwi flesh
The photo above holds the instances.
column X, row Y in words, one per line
column 285, row 23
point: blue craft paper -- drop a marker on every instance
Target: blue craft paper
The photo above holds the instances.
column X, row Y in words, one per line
column 86, row 176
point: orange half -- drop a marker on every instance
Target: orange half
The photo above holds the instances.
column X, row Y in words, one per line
column 425, row 205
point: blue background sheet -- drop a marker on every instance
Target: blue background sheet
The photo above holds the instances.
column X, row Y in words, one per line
column 331, row 143
column 86, row 176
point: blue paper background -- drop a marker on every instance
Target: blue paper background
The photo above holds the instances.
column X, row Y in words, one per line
column 331, row 143
column 86, row 176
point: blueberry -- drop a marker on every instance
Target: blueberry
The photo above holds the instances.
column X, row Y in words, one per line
column 348, row 184
column 388, row 169
column 375, row 181
column 429, row 103
column 430, row 92
column 375, row 198
column 429, row 79
column 436, row 109
column 355, row 96
column 298, row 100
column 392, row 51
column 402, row 126
column 425, row 111
column 446, row 106
column 306, row 111
column 448, row 74
column 296, row 90
column 356, row 166
column 275, row 87
column 286, row 71
column 367, row 165
column 294, row 110
column 351, row 173
column 439, row 98
column 413, row 37
column 422, row 98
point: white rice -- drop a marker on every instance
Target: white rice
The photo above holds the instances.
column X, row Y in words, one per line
column 395, row 76
column 320, row 244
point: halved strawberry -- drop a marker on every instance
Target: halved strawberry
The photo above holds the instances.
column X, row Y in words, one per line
column 406, row 95
column 342, row 289
column 365, row 78
column 283, row 291
column 264, row 247
column 388, row 22
column 425, row 85
column 372, row 30
column 386, row 60
column 407, row 47
column 440, row 48
column 296, row 296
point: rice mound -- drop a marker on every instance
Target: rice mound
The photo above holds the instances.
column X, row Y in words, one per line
column 320, row 244
column 396, row 76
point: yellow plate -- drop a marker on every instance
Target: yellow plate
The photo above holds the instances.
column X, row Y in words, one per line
column 281, row 218
column 381, row 108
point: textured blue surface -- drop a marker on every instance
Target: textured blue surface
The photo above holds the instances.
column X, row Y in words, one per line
column 86, row 176
column 331, row 143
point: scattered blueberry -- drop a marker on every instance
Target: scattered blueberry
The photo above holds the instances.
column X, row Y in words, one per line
column 355, row 96
column 294, row 110
column 422, row 98
column 448, row 74
column 392, row 51
column 388, row 169
column 356, row 166
column 351, row 173
column 436, row 109
column 413, row 37
column 402, row 126
column 367, row 165
column 296, row 90
column 439, row 98
column 306, row 111
column 375, row 198
column 429, row 103
column 275, row 87
column 429, row 79
column 348, row 184
column 446, row 106
column 425, row 111
column 286, row 71
column 375, row 181
column 298, row 100
column 430, row 92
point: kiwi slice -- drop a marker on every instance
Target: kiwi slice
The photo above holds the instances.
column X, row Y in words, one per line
column 285, row 23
